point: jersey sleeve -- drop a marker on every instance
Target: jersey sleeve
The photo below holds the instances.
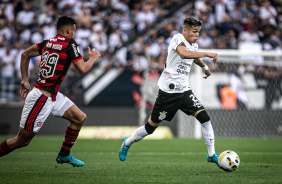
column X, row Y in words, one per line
column 41, row 45
column 73, row 51
column 177, row 40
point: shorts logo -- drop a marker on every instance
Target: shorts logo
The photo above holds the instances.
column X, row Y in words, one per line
column 162, row 115
column 39, row 124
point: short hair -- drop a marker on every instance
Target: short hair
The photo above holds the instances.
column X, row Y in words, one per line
column 65, row 21
column 191, row 21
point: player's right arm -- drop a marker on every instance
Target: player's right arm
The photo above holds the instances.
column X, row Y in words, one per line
column 83, row 67
column 187, row 54
column 25, row 58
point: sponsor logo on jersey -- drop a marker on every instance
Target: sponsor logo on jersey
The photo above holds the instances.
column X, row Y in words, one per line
column 57, row 46
column 49, row 45
column 60, row 38
column 179, row 87
column 78, row 49
column 75, row 50
column 182, row 68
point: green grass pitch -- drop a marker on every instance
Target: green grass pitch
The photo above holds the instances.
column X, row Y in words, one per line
column 149, row 161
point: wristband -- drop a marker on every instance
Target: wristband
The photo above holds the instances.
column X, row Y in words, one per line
column 205, row 67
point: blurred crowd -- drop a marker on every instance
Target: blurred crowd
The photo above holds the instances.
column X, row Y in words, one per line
column 116, row 28
column 101, row 24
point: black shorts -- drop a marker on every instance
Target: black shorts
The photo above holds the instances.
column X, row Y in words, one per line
column 167, row 104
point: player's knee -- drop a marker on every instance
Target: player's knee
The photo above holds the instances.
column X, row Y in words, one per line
column 81, row 119
column 149, row 128
column 203, row 117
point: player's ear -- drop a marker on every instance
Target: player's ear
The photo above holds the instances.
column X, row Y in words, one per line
column 68, row 30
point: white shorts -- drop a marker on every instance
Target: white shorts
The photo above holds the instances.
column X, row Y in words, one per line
column 37, row 108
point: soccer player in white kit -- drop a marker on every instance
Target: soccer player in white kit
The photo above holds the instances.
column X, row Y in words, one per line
column 174, row 90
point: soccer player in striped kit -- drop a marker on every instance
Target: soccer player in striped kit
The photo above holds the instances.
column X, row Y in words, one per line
column 57, row 54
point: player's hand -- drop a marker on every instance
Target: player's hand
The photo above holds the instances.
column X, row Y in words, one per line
column 208, row 73
column 94, row 54
column 214, row 56
column 25, row 89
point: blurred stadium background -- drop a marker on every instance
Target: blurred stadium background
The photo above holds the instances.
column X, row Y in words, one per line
column 132, row 37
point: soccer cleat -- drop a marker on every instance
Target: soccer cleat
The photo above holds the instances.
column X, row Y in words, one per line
column 123, row 150
column 213, row 159
column 69, row 159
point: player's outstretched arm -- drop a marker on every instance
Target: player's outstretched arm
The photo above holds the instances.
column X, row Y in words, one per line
column 83, row 67
column 186, row 54
column 25, row 58
column 200, row 63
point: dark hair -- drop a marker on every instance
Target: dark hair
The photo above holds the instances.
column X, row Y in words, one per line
column 65, row 21
column 191, row 21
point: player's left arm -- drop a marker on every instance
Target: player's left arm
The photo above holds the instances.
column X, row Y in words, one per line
column 25, row 59
column 200, row 63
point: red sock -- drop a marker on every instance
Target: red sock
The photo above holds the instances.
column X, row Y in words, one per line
column 70, row 138
column 4, row 149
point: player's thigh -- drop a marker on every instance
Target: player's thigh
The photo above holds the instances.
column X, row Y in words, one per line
column 74, row 115
column 190, row 104
column 36, row 109
column 165, row 107
column 66, row 109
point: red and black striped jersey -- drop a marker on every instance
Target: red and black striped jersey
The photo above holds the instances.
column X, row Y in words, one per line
column 57, row 54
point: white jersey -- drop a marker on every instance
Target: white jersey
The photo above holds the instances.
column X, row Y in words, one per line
column 175, row 77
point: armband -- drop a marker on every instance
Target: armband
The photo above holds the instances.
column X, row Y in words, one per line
column 205, row 68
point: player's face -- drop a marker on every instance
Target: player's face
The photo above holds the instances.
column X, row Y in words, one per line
column 191, row 33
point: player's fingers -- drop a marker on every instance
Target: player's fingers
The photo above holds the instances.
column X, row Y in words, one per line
column 205, row 77
column 22, row 94
column 88, row 49
column 214, row 60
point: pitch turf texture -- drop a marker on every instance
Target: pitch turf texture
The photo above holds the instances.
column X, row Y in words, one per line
column 148, row 161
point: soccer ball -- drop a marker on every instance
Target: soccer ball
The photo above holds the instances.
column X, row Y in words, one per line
column 228, row 160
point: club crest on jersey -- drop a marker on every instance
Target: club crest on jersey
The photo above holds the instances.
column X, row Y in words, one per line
column 162, row 115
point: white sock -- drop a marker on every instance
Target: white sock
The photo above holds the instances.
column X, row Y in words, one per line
column 208, row 135
column 138, row 135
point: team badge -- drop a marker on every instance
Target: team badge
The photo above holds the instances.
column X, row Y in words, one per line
column 162, row 115
column 39, row 124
